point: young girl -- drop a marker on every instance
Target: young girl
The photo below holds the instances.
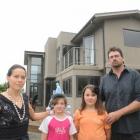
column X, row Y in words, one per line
column 90, row 118
column 58, row 126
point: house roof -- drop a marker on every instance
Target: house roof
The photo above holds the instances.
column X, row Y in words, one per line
column 98, row 18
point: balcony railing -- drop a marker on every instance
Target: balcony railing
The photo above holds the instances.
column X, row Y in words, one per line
column 78, row 56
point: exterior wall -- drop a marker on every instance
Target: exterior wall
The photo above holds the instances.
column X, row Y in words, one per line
column 73, row 71
column 28, row 76
column 73, row 101
column 114, row 37
column 81, row 70
column 99, row 54
column 50, row 58
column 64, row 38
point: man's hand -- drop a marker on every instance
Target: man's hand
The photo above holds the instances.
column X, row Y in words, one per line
column 113, row 117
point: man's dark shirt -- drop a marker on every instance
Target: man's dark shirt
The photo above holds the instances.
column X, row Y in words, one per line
column 118, row 93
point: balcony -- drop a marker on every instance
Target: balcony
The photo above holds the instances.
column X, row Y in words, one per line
column 78, row 56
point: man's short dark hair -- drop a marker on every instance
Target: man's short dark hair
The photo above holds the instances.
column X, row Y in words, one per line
column 113, row 49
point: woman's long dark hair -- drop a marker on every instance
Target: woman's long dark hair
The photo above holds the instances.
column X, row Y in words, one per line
column 98, row 105
column 13, row 67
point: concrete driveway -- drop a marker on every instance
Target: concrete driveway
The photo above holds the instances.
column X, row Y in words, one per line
column 34, row 136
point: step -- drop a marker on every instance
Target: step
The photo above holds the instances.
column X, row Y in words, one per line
column 33, row 126
column 34, row 136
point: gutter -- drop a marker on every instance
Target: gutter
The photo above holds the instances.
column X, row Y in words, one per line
column 104, row 53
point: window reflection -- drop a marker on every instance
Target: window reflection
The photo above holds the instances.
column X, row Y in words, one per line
column 131, row 38
column 82, row 81
column 89, row 49
column 36, row 67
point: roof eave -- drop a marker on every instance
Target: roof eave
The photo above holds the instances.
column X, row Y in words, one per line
column 33, row 53
column 98, row 18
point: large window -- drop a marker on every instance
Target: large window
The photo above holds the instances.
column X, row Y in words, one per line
column 89, row 50
column 67, row 87
column 36, row 67
column 36, row 61
column 36, row 79
column 131, row 38
column 82, row 81
column 77, row 55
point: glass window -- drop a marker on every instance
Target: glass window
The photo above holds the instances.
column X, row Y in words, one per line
column 89, row 49
column 138, row 70
column 77, row 55
column 33, row 78
column 82, row 81
column 66, row 61
column 131, row 38
column 36, row 61
column 36, row 77
column 70, row 57
column 67, row 87
column 35, row 69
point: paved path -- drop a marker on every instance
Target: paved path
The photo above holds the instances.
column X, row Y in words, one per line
column 34, row 136
column 34, row 133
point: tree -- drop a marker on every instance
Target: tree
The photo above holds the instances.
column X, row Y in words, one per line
column 3, row 87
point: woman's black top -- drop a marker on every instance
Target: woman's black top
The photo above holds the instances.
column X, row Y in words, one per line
column 11, row 128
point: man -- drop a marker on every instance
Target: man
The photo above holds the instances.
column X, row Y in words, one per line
column 120, row 89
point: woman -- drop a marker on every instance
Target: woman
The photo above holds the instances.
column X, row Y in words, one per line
column 15, row 109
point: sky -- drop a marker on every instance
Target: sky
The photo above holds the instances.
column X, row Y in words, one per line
column 25, row 25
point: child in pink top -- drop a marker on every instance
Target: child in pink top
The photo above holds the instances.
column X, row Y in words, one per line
column 58, row 126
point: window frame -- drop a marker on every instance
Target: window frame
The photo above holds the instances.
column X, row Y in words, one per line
column 92, row 48
column 90, row 81
column 69, row 88
column 125, row 38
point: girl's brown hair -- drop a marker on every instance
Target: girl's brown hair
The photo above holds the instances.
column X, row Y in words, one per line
column 56, row 97
column 98, row 105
